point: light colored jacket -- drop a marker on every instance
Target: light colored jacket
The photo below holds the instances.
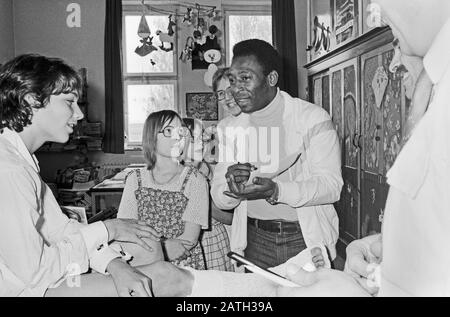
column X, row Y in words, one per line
column 315, row 179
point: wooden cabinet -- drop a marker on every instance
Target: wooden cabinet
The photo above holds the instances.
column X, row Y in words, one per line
column 345, row 113
column 383, row 118
column 368, row 107
column 321, row 91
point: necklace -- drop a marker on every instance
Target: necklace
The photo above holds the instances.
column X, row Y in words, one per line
column 167, row 182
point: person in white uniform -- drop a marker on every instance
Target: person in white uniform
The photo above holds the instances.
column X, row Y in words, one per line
column 415, row 228
column 40, row 248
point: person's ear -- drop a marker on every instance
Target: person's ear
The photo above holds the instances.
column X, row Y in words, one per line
column 273, row 78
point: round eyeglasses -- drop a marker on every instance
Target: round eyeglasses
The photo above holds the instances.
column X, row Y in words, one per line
column 170, row 131
column 220, row 95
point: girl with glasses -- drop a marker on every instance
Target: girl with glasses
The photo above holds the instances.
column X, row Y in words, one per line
column 171, row 198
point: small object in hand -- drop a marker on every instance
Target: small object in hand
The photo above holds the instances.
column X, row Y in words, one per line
column 163, row 247
column 273, row 199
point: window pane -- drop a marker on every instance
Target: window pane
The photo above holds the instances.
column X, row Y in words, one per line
column 143, row 100
column 137, row 64
column 245, row 27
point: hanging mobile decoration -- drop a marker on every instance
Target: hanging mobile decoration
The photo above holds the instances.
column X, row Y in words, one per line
column 186, row 54
column 145, row 34
column 188, row 16
column 165, row 38
column 212, row 14
column 201, row 24
column 172, row 24
column 199, row 38
column 213, row 31
column 201, row 48
column 144, row 29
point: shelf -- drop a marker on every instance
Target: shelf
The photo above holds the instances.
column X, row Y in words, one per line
column 73, row 145
column 360, row 45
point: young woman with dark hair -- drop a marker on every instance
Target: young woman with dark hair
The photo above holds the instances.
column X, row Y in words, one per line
column 39, row 246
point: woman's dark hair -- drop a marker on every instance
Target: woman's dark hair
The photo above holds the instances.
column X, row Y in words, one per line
column 266, row 55
column 153, row 125
column 37, row 76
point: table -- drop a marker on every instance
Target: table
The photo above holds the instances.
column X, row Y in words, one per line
column 106, row 188
column 111, row 187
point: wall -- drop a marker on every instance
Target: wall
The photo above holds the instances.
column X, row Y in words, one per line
column 301, row 17
column 40, row 27
column 6, row 31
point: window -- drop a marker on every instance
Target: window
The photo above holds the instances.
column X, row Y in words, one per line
column 243, row 25
column 144, row 99
column 150, row 82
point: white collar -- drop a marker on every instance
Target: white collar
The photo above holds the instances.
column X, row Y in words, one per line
column 272, row 107
column 437, row 59
column 17, row 142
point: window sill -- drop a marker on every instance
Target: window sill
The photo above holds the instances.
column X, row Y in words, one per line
column 135, row 148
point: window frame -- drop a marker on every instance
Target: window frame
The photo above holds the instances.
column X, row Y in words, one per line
column 243, row 10
column 145, row 78
column 150, row 82
column 133, row 10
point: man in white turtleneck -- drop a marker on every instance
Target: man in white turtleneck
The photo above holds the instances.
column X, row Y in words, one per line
column 295, row 150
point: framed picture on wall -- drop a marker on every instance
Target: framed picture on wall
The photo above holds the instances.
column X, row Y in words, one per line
column 202, row 106
column 346, row 20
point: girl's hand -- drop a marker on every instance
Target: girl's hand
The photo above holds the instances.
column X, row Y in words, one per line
column 176, row 249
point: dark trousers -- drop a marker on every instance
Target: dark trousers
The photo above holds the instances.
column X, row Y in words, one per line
column 269, row 249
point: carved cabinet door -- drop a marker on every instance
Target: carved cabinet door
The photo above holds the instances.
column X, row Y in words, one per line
column 345, row 109
column 383, row 104
column 321, row 91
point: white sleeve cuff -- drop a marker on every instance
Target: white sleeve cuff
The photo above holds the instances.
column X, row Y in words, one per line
column 96, row 239
column 95, row 236
column 223, row 201
column 100, row 260
column 282, row 192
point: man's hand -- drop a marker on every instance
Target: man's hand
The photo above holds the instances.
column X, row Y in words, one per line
column 239, row 174
column 131, row 230
column 262, row 188
column 177, row 249
column 321, row 283
column 129, row 281
column 362, row 258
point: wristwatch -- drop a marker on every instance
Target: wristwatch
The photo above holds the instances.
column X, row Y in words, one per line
column 273, row 200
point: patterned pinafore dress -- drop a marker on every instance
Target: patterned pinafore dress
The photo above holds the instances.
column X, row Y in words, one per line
column 163, row 211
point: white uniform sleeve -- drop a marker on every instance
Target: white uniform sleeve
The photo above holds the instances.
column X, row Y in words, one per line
column 37, row 264
column 325, row 182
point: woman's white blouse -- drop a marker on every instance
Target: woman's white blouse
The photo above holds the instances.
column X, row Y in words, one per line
column 39, row 246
